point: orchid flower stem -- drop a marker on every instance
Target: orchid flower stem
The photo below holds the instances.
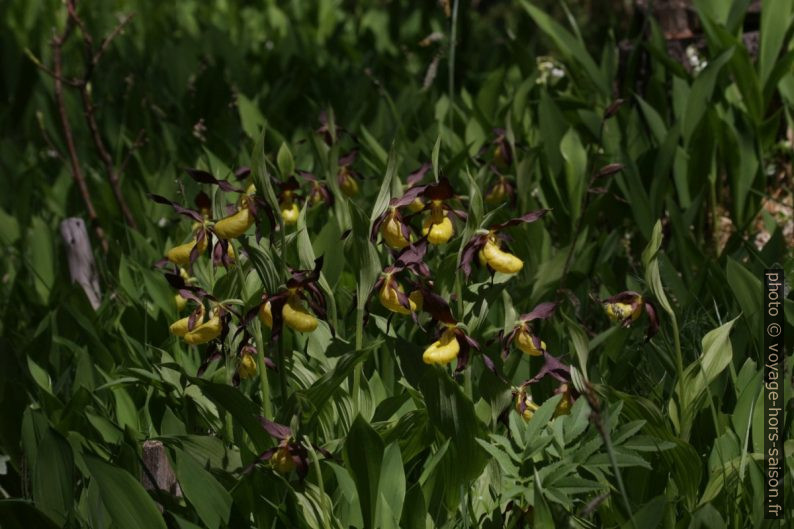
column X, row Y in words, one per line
column 467, row 384
column 679, row 371
column 267, row 408
column 613, row 462
column 359, row 345
column 264, row 385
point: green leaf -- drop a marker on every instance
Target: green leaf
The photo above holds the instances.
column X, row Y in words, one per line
column 244, row 411
column 701, row 92
column 650, row 515
column 392, row 479
column 363, row 453
column 41, row 258
column 20, row 514
column 580, row 343
column 251, row 118
column 375, row 147
column 746, row 287
column 210, row 499
column 129, row 505
column 384, row 194
column 40, row 375
column 53, row 476
column 717, row 355
column 286, row 164
column 775, row 20
column 575, row 157
column 569, row 46
column 651, row 263
column 435, row 155
column 368, row 273
column 9, row 228
column 320, row 392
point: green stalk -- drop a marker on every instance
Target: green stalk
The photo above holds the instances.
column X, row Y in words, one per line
column 679, row 372
column 614, row 463
column 267, row 408
column 264, row 386
column 467, row 383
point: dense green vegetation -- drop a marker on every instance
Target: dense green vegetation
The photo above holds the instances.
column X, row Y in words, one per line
column 304, row 391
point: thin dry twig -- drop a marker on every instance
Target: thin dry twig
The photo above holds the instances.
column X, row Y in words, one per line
column 89, row 110
column 77, row 174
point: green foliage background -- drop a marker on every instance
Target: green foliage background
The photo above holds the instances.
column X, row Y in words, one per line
column 214, row 84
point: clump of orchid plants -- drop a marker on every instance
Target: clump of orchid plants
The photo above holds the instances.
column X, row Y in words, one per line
column 522, row 334
column 288, row 199
column 487, row 245
column 319, row 193
column 627, row 307
column 289, row 455
column 435, row 198
column 347, row 178
column 391, row 292
column 452, row 341
column 288, row 307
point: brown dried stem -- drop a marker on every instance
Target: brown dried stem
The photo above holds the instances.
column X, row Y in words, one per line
column 89, row 110
column 77, row 174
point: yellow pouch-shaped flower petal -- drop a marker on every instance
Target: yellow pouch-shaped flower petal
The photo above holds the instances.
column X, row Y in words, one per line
column 205, row 332
column 500, row 261
column 180, row 255
column 388, row 298
column 235, row 225
column 296, row 317
column 247, row 366
column 524, row 341
column 289, row 212
column 266, row 315
column 392, row 234
column 444, row 350
column 438, row 232
column 180, row 327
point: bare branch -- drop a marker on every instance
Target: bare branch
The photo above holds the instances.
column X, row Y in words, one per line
column 35, row 60
column 103, row 46
column 77, row 174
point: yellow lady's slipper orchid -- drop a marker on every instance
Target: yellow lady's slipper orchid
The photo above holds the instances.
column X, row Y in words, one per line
column 180, row 302
column 497, row 194
column 416, row 299
column 564, row 406
column 247, row 366
column 392, row 233
column 499, row 260
column 282, row 461
column 205, row 332
column 388, row 298
column 437, row 226
column 234, row 225
column 523, row 339
column 444, row 350
column 266, row 315
column 289, row 209
column 620, row 311
column 180, row 327
column 180, row 255
column 296, row 317
column 416, row 206
column 529, row 405
column 347, row 182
